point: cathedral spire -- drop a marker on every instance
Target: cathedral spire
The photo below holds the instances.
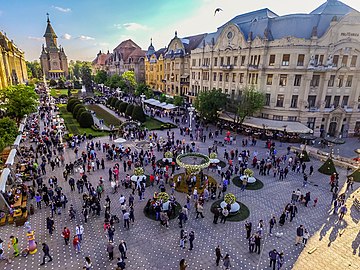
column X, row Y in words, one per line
column 48, row 19
column 50, row 36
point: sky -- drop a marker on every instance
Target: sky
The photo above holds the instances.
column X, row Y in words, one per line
column 84, row 27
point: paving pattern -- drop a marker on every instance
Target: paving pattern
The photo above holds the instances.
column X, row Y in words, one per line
column 152, row 246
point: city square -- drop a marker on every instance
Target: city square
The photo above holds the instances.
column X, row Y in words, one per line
column 236, row 149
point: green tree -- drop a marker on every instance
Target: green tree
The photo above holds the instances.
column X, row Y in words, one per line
column 129, row 109
column 209, row 103
column 141, row 88
column 123, row 106
column 71, row 104
column 113, row 102
column 138, row 114
column 108, row 101
column 86, row 120
column 162, row 98
column 249, row 102
column 61, row 82
column 149, row 94
column 76, row 109
column 328, row 167
column 18, row 100
column 86, row 76
column 8, row 132
column 80, row 111
column 101, row 77
column 117, row 104
column 114, row 81
column 129, row 79
column 52, row 83
column 34, row 70
column 178, row 101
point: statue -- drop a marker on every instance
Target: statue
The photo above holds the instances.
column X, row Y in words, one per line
column 312, row 62
column 329, row 62
column 32, row 247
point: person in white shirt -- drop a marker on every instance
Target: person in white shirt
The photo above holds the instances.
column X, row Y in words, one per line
column 122, row 199
column 79, row 231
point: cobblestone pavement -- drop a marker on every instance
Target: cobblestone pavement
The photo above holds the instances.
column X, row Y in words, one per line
column 152, row 246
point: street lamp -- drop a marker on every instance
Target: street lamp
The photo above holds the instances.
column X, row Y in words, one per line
column 143, row 96
column 191, row 113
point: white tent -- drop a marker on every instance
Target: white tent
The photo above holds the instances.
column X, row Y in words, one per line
column 3, row 179
column 119, row 140
column 11, row 158
column 156, row 103
column 17, row 141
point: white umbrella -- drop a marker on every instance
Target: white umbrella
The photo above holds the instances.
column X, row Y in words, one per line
column 120, row 140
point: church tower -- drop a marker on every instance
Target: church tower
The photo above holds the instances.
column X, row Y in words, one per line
column 53, row 58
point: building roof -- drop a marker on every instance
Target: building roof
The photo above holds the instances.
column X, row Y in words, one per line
column 160, row 52
column 264, row 23
column 49, row 32
column 191, row 42
column 150, row 50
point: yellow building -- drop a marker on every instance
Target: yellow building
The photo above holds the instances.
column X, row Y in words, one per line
column 154, row 68
column 12, row 63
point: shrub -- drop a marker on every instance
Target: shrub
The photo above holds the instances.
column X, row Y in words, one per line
column 79, row 112
column 76, row 108
column 122, row 107
column 328, row 167
column 117, row 103
column 138, row 114
column 113, row 101
column 71, row 104
column 108, row 102
column 129, row 109
column 86, row 120
column 304, row 156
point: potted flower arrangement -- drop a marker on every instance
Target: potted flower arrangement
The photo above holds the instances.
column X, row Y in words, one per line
column 249, row 174
column 168, row 157
column 230, row 199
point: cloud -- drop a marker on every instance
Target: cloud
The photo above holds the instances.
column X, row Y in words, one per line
column 61, row 9
column 118, row 25
column 134, row 26
column 66, row 36
column 82, row 37
column 35, row 38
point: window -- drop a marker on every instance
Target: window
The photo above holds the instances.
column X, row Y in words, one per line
column 194, row 62
column 292, row 118
column 353, row 61
column 345, row 101
column 300, row 61
column 193, row 75
column 294, row 101
column 228, row 59
column 267, row 99
column 226, row 77
column 241, row 78
column 283, row 80
column 286, row 59
column 336, row 101
column 311, row 122
column 272, row 60
column 315, row 81
column 311, row 101
column 221, row 61
column 331, row 81
column 327, row 101
column 297, row 80
column 243, row 60
column 220, row 76
column 233, row 77
column 265, row 115
column 214, row 76
column 199, row 63
column 215, row 61
column 269, row 79
column 235, row 60
column 280, row 101
column 278, row 117
column 335, row 60
column 344, row 61
column 349, row 81
column 341, row 80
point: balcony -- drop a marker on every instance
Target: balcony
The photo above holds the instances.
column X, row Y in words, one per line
column 253, row 67
column 314, row 109
column 205, row 67
column 227, row 67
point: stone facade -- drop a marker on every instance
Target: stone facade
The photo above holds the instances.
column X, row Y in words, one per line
column 53, row 59
column 12, row 63
column 127, row 56
column 307, row 64
column 154, row 68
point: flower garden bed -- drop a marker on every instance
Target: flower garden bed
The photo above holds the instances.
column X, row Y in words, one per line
column 243, row 213
column 254, row 186
column 183, row 187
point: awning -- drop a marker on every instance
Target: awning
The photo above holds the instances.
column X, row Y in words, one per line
column 21, row 127
column 261, row 123
column 156, row 103
column 184, row 76
column 11, row 157
column 17, row 141
column 3, row 179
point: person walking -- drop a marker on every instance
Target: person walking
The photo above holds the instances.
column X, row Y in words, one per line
column 305, row 237
column 273, row 256
column 218, row 255
column 248, row 227
column 76, row 243
column 110, row 250
column 88, row 263
column 216, row 214
column 183, row 264
column 199, row 210
column 111, row 231
column 251, row 243
column 121, row 264
column 226, row 261
column 257, row 243
column 79, row 231
column 272, row 223
column 66, row 235
column 126, row 217
column 280, row 260
column 299, row 234
column 50, row 225
column 224, row 215
column 343, row 211
column 46, row 251
column 191, row 239
column 123, row 249
column 14, row 241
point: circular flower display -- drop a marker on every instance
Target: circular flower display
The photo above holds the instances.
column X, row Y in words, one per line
column 139, row 171
column 213, row 155
column 169, row 154
column 193, row 168
column 163, row 196
column 248, row 172
column 230, row 198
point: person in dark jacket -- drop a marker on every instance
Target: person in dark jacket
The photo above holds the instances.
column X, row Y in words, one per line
column 299, row 234
column 50, row 225
column 46, row 250
column 123, row 249
column 273, row 256
column 218, row 255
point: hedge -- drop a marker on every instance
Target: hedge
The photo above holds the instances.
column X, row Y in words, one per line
column 117, row 103
column 138, row 114
column 76, row 108
column 71, row 104
column 122, row 107
column 108, row 102
column 129, row 109
column 112, row 104
column 80, row 111
column 86, row 120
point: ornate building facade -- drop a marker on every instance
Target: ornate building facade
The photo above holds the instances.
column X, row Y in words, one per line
column 127, row 56
column 154, row 68
column 177, row 64
column 12, row 63
column 307, row 65
column 99, row 62
column 53, row 59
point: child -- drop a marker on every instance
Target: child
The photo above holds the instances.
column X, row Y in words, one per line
column 305, row 237
column 315, row 201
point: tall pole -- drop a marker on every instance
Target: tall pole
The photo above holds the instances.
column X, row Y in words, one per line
column 191, row 112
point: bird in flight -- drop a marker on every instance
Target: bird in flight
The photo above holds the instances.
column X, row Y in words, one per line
column 217, row 10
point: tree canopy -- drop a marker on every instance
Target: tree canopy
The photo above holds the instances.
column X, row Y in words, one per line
column 8, row 132
column 101, row 77
column 178, row 101
column 129, row 79
column 86, row 76
column 18, row 100
column 34, row 70
column 209, row 103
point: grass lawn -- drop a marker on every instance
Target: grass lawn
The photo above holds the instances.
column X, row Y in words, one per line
column 73, row 126
column 153, row 124
column 58, row 92
column 183, row 187
column 243, row 213
column 109, row 119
